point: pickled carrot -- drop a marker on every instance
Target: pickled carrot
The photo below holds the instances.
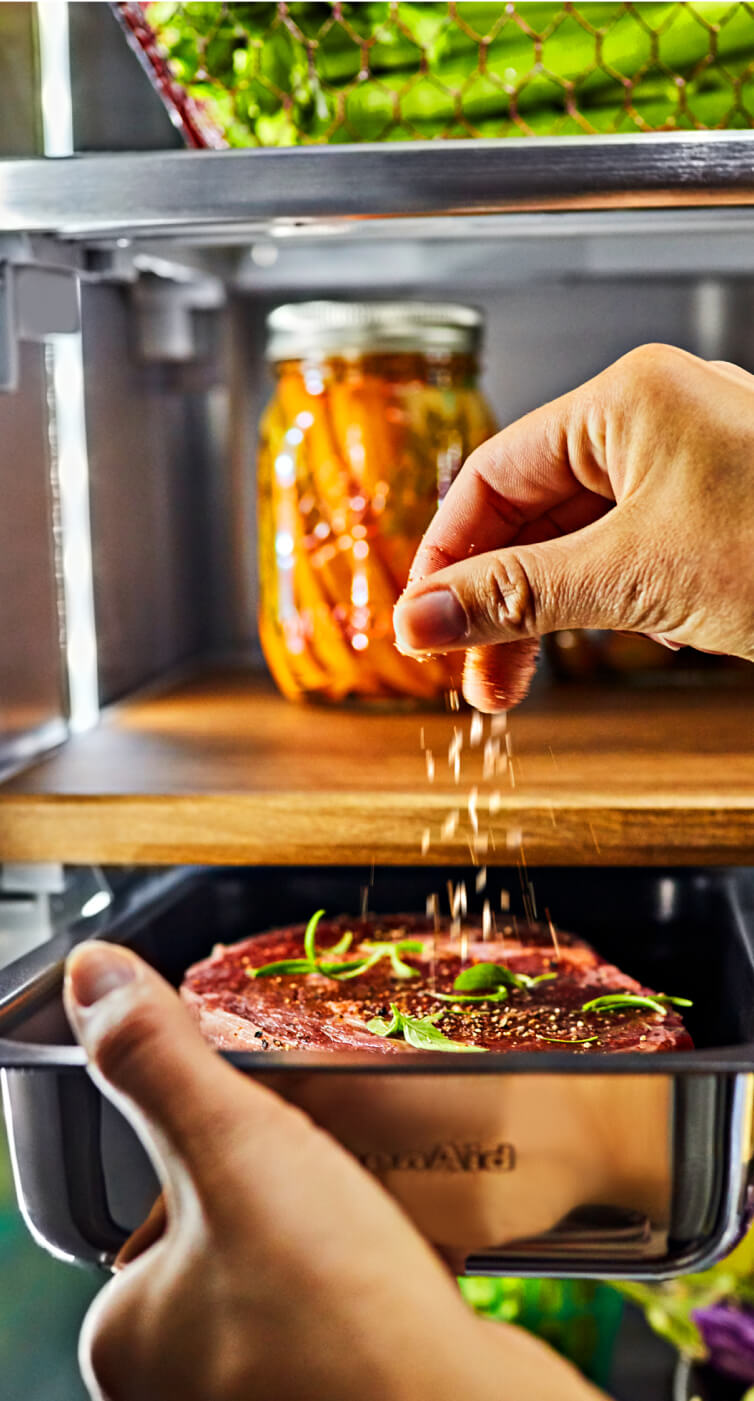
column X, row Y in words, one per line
column 329, row 474
column 358, row 438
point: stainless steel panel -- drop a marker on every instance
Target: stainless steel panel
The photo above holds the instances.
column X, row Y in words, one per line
column 115, row 107
column 154, row 455
column 195, row 191
column 31, row 688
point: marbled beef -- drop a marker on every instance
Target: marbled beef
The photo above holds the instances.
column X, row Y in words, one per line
column 311, row 1012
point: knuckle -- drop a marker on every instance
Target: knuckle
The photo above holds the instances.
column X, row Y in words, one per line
column 505, row 601
column 650, row 371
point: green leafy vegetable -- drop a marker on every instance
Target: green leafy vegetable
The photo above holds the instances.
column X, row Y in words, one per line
column 264, row 82
column 616, row 1001
column 419, row 1032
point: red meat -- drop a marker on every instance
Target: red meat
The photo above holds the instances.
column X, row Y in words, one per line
column 312, row 1012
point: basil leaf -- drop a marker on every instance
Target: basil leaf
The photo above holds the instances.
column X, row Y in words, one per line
column 615, row 1002
column 311, row 934
column 284, row 968
column 419, row 1032
column 484, row 976
column 423, row 1035
column 380, row 1027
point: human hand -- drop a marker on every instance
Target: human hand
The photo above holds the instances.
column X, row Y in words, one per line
column 283, row 1270
column 526, row 542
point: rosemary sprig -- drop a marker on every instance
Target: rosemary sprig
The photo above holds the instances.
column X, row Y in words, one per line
column 571, row 1040
column 616, row 1001
column 385, row 948
column 330, row 962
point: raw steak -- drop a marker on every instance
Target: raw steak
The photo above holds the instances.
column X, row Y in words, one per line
column 311, row 1012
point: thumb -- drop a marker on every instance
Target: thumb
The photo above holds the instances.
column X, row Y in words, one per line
column 593, row 578
column 148, row 1057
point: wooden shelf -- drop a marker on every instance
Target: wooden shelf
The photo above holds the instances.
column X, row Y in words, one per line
column 220, row 769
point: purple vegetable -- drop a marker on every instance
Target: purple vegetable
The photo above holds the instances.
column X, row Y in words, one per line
column 728, row 1335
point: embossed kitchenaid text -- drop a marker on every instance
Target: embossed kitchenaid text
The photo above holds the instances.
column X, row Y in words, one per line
column 444, row 1157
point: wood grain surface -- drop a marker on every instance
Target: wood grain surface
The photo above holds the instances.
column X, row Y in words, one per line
column 220, row 769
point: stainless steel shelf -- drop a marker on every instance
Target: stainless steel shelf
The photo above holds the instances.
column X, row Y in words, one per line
column 206, row 194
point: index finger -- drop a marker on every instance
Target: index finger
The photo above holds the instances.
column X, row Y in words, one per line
column 542, row 474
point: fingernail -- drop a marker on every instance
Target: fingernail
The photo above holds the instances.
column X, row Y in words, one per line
column 94, row 970
column 434, row 619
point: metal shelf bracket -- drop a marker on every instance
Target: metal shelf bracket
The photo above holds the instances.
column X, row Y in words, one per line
column 35, row 302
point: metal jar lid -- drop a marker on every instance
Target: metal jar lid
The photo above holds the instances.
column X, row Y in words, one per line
column 302, row 329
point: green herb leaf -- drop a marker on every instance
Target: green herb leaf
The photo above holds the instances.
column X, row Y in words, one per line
column 482, row 977
column 348, row 969
column 353, row 969
column 615, row 1001
column 500, row 996
column 311, row 934
column 330, row 963
column 381, row 1027
column 571, row 1041
column 419, row 1032
column 284, row 969
column 387, row 948
column 340, row 948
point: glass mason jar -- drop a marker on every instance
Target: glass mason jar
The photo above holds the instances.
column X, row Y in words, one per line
column 376, row 405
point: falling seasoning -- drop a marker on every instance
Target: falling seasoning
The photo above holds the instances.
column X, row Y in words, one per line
column 430, row 762
column 454, row 753
column 476, row 730
column 450, row 825
column 472, row 809
column 553, row 934
column 425, row 841
column 490, row 758
column 480, row 881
